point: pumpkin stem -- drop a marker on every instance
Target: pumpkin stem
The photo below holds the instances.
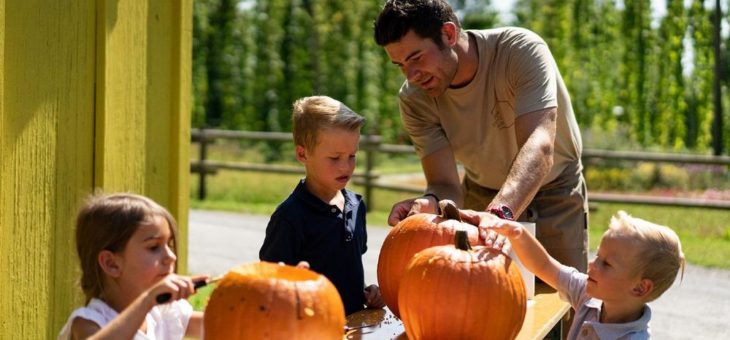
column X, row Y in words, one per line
column 461, row 240
column 449, row 210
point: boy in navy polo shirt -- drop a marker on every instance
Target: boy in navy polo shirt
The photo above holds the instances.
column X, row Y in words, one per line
column 321, row 222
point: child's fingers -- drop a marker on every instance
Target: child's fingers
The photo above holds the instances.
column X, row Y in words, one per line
column 198, row 278
column 373, row 298
column 369, row 293
column 180, row 286
column 488, row 236
column 165, row 291
column 186, row 285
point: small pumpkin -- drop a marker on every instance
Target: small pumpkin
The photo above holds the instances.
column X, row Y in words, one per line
column 265, row 300
column 454, row 292
column 411, row 235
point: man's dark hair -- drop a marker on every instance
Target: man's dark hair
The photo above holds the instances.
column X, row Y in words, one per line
column 424, row 17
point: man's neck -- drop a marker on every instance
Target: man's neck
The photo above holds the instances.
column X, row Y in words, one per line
column 468, row 54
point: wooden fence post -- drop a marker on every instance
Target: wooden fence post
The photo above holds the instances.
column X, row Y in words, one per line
column 202, row 169
column 372, row 142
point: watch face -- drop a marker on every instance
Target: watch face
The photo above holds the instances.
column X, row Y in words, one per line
column 507, row 212
column 503, row 211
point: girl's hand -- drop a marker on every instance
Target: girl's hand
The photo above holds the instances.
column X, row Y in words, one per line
column 175, row 287
column 373, row 299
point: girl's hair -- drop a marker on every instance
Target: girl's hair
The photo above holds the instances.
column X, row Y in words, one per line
column 312, row 114
column 107, row 222
column 659, row 252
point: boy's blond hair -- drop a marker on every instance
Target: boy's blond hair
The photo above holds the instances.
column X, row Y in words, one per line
column 659, row 250
column 313, row 114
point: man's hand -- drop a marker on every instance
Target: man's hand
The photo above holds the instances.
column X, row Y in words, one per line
column 411, row 206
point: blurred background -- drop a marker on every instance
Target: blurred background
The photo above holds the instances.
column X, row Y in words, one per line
column 648, row 81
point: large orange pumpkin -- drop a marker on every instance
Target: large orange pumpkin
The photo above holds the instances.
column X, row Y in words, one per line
column 411, row 235
column 454, row 292
column 265, row 300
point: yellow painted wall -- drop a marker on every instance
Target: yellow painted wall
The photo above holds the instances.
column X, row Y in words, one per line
column 92, row 94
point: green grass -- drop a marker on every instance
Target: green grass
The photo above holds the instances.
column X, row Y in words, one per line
column 705, row 233
column 200, row 299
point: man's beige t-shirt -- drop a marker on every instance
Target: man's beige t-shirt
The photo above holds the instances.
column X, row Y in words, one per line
column 516, row 75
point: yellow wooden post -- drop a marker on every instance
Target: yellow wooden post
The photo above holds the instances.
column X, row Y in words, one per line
column 142, row 107
column 92, row 94
column 47, row 159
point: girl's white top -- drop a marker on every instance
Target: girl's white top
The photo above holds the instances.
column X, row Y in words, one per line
column 168, row 321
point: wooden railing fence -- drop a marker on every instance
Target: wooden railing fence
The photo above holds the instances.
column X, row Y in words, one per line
column 372, row 145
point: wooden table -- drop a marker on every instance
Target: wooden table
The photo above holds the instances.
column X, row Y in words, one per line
column 544, row 312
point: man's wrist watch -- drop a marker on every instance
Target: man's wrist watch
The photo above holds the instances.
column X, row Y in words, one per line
column 502, row 211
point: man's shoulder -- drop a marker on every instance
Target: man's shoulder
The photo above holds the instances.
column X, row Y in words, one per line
column 413, row 96
column 508, row 35
column 409, row 92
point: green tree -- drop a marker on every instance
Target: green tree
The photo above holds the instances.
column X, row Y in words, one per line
column 668, row 100
column 220, row 100
column 200, row 54
column 636, row 27
column 476, row 14
column 699, row 113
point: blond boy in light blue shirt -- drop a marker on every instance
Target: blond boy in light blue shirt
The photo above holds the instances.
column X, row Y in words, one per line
column 636, row 262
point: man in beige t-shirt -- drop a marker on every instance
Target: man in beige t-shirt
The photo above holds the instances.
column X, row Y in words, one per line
column 494, row 101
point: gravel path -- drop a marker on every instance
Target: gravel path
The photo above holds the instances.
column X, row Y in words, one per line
column 696, row 308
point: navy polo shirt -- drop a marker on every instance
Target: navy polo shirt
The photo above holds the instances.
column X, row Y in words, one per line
column 304, row 228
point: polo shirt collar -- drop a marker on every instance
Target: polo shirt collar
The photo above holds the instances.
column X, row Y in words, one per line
column 616, row 331
column 301, row 192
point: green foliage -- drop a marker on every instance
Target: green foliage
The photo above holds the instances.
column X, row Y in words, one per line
column 703, row 232
column 252, row 61
column 201, row 297
column 699, row 117
column 650, row 77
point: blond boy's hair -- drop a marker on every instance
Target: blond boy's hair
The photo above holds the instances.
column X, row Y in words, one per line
column 659, row 252
column 310, row 115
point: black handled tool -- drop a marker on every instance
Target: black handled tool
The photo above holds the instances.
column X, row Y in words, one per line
column 165, row 297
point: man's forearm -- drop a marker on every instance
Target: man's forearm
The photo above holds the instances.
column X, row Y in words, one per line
column 531, row 166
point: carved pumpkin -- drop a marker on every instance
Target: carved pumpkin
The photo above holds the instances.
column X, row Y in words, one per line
column 265, row 300
column 453, row 292
column 411, row 235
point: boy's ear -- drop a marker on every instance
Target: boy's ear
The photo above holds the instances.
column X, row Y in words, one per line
column 301, row 153
column 643, row 288
column 110, row 263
